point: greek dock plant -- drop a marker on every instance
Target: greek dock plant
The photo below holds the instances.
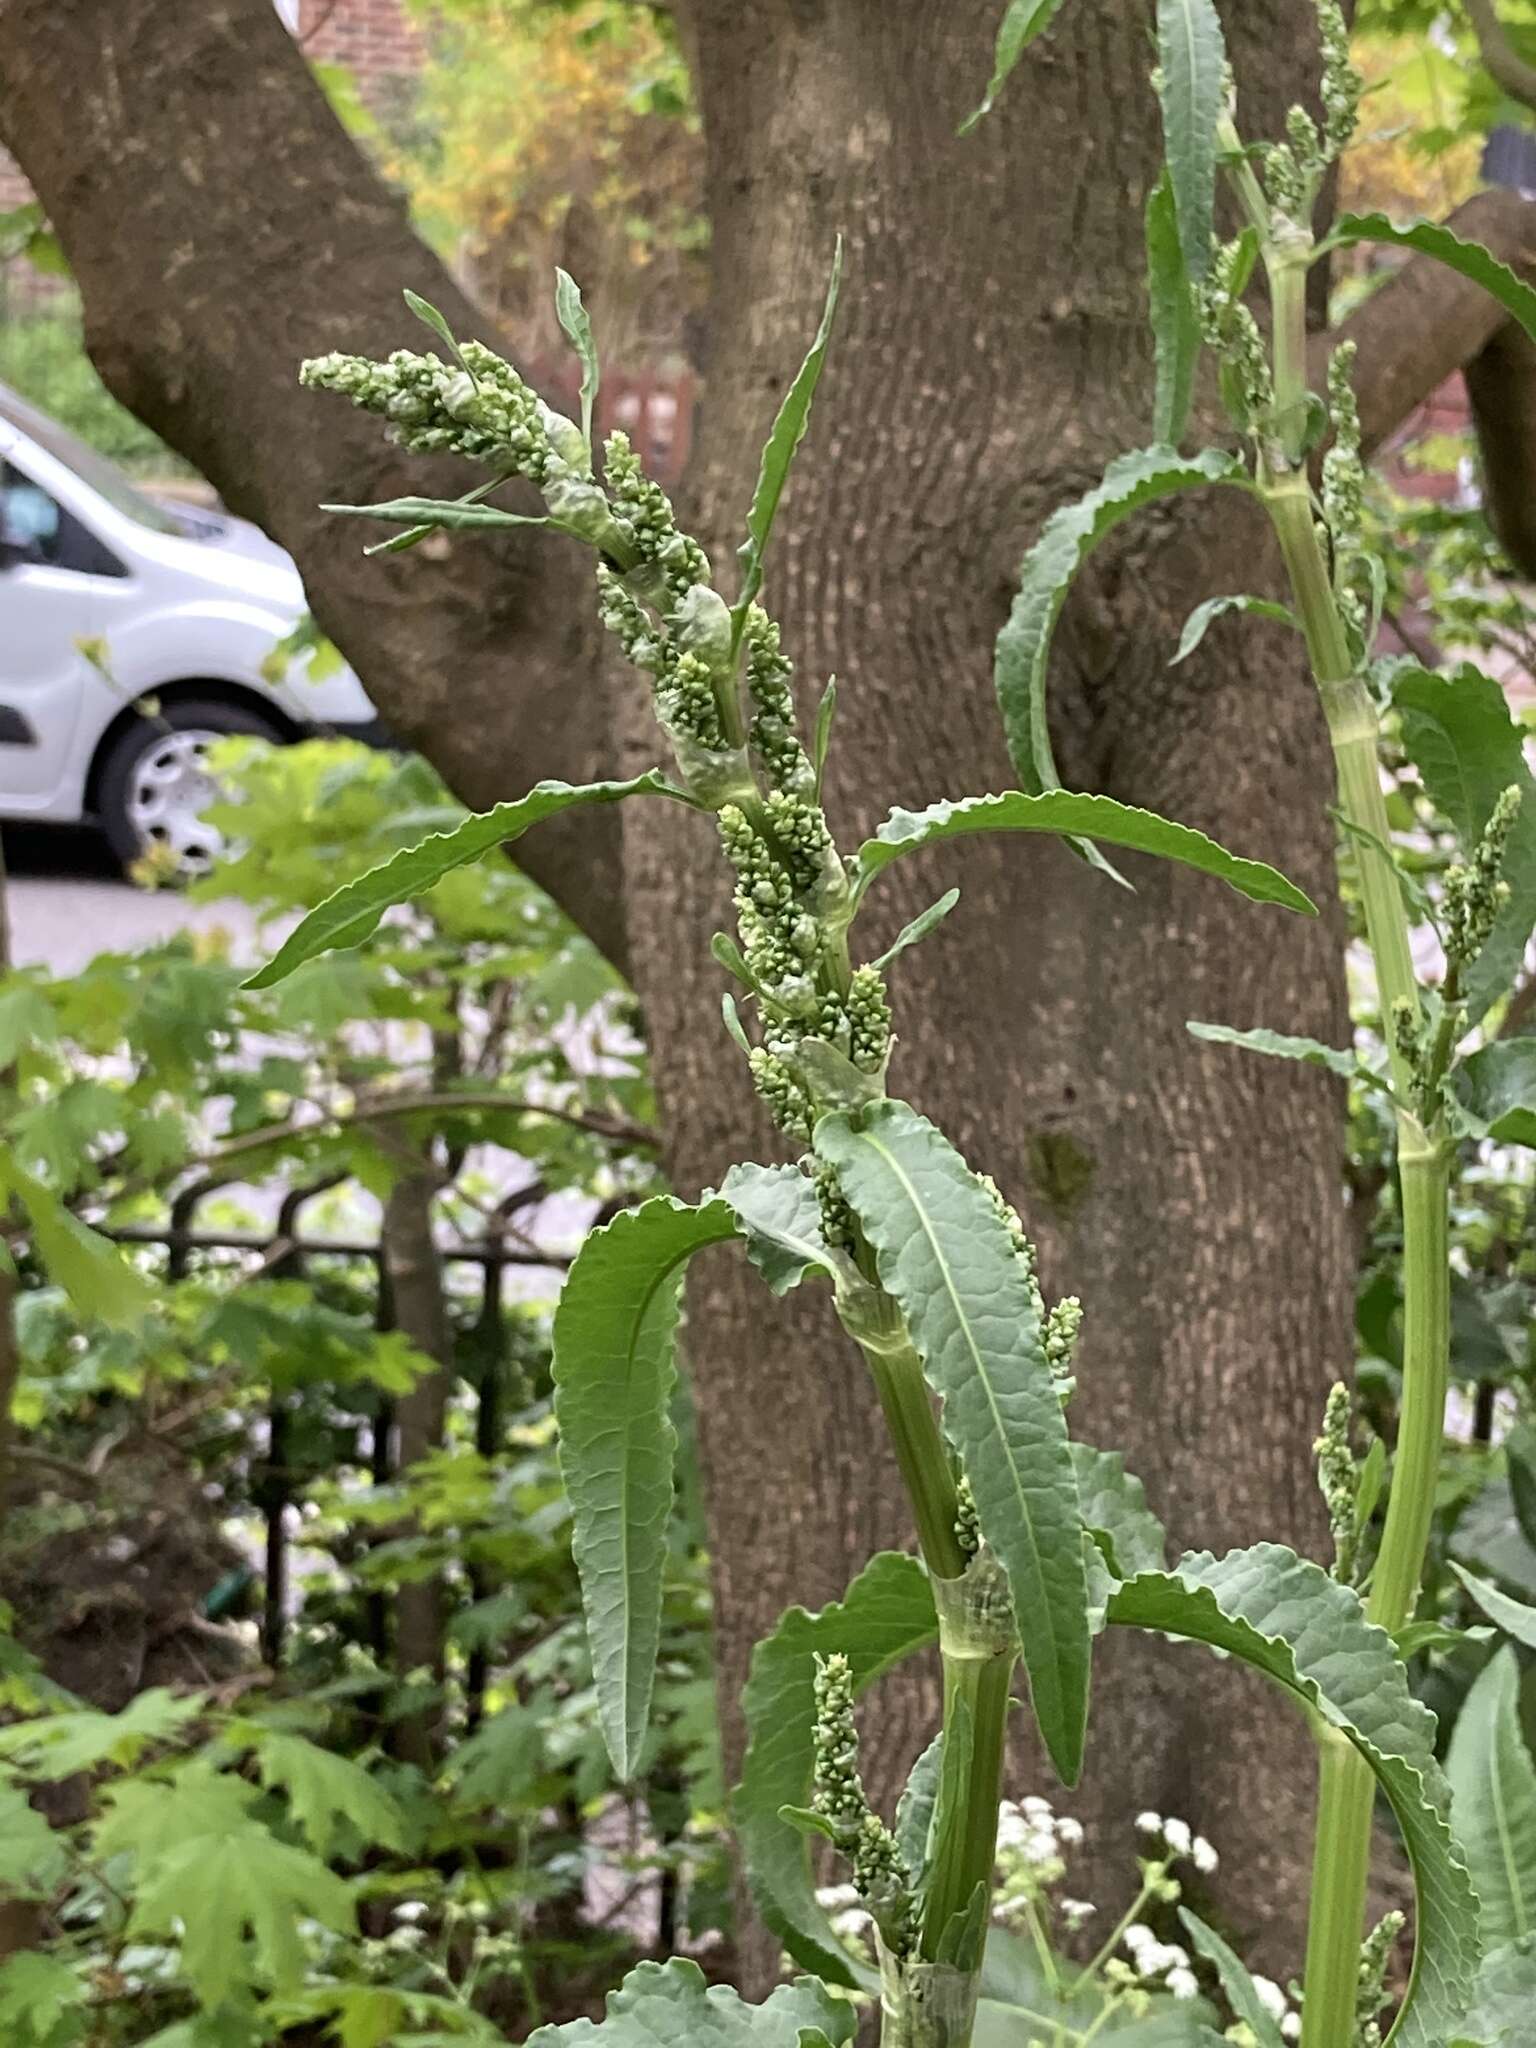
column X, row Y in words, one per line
column 1029, row 1543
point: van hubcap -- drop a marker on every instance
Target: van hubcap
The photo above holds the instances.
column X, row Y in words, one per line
column 170, row 788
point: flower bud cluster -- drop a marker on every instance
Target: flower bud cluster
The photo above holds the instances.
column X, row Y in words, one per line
column 1372, row 1995
column 1343, row 469
column 1342, row 84
column 1475, row 891
column 1338, row 1480
column 646, row 519
column 772, row 732
column 1062, row 1325
column 485, row 412
column 1293, row 169
column 876, row 1865
column 787, row 1103
column 839, row 1229
column 1230, row 329
column 967, row 1525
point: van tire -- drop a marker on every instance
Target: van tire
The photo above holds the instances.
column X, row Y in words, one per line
column 125, row 785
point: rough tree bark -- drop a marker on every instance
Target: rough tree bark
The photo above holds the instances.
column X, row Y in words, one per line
column 991, row 357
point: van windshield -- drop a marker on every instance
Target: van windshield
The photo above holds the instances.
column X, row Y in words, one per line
column 94, row 470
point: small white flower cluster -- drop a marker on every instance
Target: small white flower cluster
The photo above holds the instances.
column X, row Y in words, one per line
column 1277, row 2005
column 1033, row 1843
column 1181, row 1843
column 1155, row 1965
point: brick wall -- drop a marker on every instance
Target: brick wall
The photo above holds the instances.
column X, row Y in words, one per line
column 376, row 40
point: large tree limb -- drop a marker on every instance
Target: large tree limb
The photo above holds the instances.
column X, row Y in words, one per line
column 270, row 239
column 1502, row 61
column 1429, row 322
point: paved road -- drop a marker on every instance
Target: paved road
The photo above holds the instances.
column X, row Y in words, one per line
column 68, row 901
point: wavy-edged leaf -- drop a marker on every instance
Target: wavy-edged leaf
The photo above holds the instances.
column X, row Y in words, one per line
column 1433, row 238
column 89, row 1267
column 1280, row 1045
column 1024, row 644
column 886, row 1615
column 1459, row 733
column 1192, row 88
column 1068, row 813
column 574, row 319
column 1287, row 1618
column 1201, row 618
column 347, row 918
column 1513, row 1616
column 1115, row 1512
column 1506, row 1998
column 1496, row 1088
column 779, row 450
column 1493, row 1794
column 669, row 2005
column 946, row 1257
column 1023, row 21
column 1175, row 323
column 780, row 1218
column 912, row 934
column 614, row 1370
column 1241, row 1993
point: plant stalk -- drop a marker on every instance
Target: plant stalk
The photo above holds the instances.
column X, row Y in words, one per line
column 1346, row 1801
column 980, row 1683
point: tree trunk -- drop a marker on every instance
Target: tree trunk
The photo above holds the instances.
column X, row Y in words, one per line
column 990, row 358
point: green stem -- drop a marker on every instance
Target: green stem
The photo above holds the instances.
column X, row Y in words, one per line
column 1342, row 1846
column 921, row 1451
column 968, row 1850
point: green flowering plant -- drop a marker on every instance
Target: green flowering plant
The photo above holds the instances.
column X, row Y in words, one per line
column 1029, row 1543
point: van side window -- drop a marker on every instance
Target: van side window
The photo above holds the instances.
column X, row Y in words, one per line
column 38, row 528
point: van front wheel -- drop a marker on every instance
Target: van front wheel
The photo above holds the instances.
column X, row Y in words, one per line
column 155, row 782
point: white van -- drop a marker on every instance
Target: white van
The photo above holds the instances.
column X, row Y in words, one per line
column 185, row 603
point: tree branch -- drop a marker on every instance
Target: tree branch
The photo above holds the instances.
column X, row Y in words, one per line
column 1500, row 58
column 1425, row 325
column 437, row 1102
column 222, row 226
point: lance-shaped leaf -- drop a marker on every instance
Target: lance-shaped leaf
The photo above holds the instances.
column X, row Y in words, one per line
column 914, row 933
column 573, row 317
column 1068, row 813
column 1024, row 645
column 91, row 1270
column 429, row 513
column 945, row 1255
column 779, row 450
column 1192, row 87
column 1023, row 21
column 347, row 918
column 1280, row 1045
column 1200, row 619
column 1433, row 238
column 430, row 318
column 1288, row 1619
column 1241, row 1991
column 614, row 1369
column 919, row 1803
column 1493, row 1801
column 886, row 1615
column 1496, row 1088
column 1175, row 325
column 1513, row 1616
column 780, row 1218
column 1459, row 733
column 670, row 2005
